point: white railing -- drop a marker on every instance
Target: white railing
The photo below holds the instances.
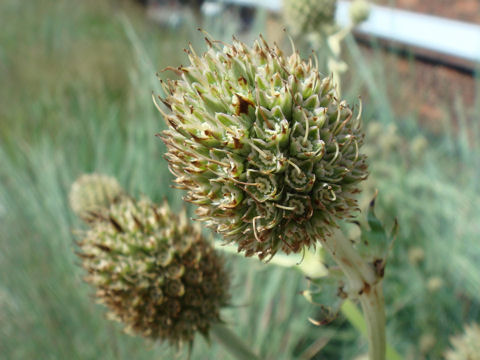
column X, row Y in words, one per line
column 431, row 33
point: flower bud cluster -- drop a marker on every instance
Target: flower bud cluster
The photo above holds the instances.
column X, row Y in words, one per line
column 309, row 16
column 359, row 11
column 154, row 271
column 263, row 146
column 91, row 194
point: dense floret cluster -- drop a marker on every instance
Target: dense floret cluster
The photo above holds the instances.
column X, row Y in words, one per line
column 155, row 272
column 91, row 194
column 359, row 11
column 309, row 16
column 263, row 146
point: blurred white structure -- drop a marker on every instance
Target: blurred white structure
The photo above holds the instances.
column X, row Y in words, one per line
column 444, row 36
column 447, row 37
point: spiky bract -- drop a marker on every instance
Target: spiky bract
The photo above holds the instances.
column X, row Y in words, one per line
column 263, row 146
column 309, row 16
column 91, row 194
column 465, row 346
column 155, row 272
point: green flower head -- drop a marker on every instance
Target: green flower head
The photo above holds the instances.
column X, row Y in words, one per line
column 309, row 16
column 263, row 146
column 92, row 194
column 359, row 11
column 155, row 272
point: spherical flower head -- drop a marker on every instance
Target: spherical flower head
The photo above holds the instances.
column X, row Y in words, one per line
column 359, row 11
column 91, row 194
column 263, row 146
column 155, row 272
column 465, row 346
column 309, row 16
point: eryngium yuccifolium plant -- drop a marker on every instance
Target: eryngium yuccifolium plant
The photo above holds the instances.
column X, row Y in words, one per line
column 155, row 272
column 466, row 346
column 309, row 16
column 263, row 146
column 94, row 193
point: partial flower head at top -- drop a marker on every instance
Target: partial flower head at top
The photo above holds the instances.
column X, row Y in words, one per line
column 309, row 16
column 263, row 146
column 359, row 11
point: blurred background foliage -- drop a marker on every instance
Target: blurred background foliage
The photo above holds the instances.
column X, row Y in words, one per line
column 77, row 78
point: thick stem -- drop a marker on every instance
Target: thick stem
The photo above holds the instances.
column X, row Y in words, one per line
column 359, row 273
column 232, row 343
column 373, row 309
column 364, row 283
column 355, row 317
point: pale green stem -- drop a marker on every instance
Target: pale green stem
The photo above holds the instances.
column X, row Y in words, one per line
column 336, row 80
column 334, row 46
column 365, row 284
column 374, row 312
column 355, row 317
column 232, row 343
column 359, row 274
column 308, row 264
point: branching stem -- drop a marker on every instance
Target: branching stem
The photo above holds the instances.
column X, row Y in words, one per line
column 365, row 284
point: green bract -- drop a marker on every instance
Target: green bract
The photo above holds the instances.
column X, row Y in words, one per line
column 263, row 146
column 155, row 272
column 309, row 16
column 92, row 194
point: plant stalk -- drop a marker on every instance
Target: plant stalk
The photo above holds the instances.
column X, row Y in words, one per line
column 365, row 284
column 232, row 343
column 355, row 317
column 356, row 270
column 373, row 309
